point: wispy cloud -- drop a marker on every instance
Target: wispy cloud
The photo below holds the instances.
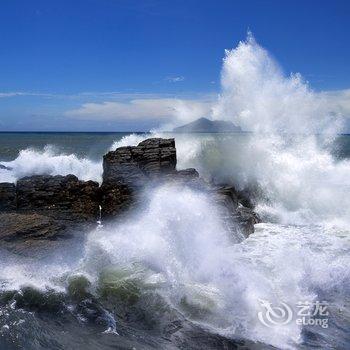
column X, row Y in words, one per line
column 23, row 93
column 166, row 110
column 175, row 79
column 86, row 95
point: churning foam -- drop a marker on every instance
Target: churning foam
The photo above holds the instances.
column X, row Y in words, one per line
column 193, row 262
column 177, row 248
column 293, row 166
column 50, row 162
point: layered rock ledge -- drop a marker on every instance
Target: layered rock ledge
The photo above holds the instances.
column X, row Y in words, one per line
column 44, row 207
column 128, row 169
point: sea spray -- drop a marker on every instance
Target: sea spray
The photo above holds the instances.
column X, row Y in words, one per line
column 49, row 161
column 287, row 153
column 259, row 97
column 177, row 248
column 175, row 255
column 304, row 254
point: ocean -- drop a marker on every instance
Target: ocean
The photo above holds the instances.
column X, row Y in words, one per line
column 171, row 277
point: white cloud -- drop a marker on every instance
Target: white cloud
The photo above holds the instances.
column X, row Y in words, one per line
column 85, row 95
column 163, row 107
column 175, row 79
column 174, row 111
column 8, row 94
column 166, row 110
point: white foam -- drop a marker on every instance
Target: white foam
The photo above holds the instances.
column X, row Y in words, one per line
column 50, row 162
column 292, row 165
column 259, row 97
column 180, row 239
column 130, row 140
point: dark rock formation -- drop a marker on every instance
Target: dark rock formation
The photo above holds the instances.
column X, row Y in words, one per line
column 7, row 196
column 186, row 174
column 39, row 236
column 28, row 226
column 246, row 218
column 59, row 197
column 227, row 196
column 116, row 198
column 41, row 208
column 236, row 217
column 185, row 177
column 128, row 169
column 44, row 207
column 134, row 165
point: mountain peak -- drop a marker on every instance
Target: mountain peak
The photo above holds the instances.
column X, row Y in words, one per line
column 206, row 125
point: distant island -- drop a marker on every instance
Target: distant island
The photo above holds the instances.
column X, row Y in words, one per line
column 208, row 126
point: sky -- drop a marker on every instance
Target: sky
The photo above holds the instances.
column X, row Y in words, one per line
column 130, row 65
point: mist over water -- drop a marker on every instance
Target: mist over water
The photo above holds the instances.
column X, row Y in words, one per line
column 176, row 250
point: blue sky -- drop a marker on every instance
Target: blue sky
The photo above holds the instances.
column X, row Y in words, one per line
column 61, row 55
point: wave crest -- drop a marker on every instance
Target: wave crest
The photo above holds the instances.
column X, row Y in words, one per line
column 50, row 162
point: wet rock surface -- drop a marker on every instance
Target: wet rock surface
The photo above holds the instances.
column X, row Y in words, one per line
column 127, row 170
column 59, row 197
column 46, row 207
column 134, row 165
column 116, row 198
column 236, row 217
column 41, row 208
column 31, row 235
column 23, row 226
column 7, row 196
